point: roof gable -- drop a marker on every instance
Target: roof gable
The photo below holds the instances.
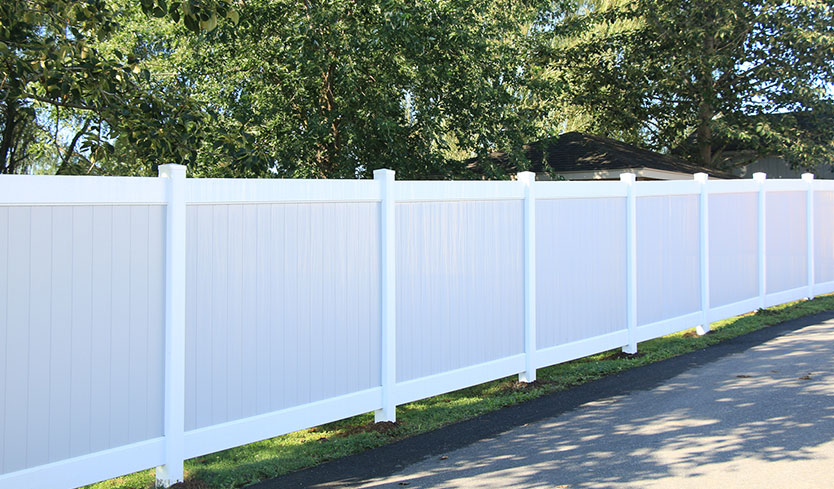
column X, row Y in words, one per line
column 576, row 151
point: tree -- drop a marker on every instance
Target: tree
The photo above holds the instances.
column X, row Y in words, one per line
column 337, row 88
column 58, row 90
column 699, row 76
column 300, row 88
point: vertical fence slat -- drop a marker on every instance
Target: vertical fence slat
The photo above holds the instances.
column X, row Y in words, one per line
column 174, row 393
column 5, row 242
column 17, row 380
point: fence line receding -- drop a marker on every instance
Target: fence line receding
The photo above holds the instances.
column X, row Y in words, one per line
column 144, row 321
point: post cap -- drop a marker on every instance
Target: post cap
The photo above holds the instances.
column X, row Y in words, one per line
column 171, row 170
column 526, row 177
column 628, row 177
column 384, row 174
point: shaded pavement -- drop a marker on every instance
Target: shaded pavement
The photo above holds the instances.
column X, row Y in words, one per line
column 757, row 411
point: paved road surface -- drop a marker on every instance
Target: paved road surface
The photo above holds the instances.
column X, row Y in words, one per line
column 759, row 416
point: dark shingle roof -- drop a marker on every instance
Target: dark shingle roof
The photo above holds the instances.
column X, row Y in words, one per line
column 575, row 151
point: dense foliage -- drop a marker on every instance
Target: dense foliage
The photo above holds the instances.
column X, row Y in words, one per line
column 338, row 88
column 701, row 77
column 66, row 102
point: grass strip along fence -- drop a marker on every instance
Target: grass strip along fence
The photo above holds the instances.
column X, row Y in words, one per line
column 262, row 460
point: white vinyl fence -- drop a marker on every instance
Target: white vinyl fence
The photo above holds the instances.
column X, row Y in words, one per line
column 144, row 321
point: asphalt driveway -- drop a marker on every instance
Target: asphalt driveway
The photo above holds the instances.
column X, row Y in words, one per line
column 757, row 411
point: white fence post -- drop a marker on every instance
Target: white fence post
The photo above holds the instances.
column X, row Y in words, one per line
column 529, row 179
column 703, row 178
column 761, row 178
column 809, row 230
column 174, row 393
column 631, row 262
column 388, row 295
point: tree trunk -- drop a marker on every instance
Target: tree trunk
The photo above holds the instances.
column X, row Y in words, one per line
column 704, row 134
column 9, row 123
column 706, row 109
column 327, row 153
column 64, row 168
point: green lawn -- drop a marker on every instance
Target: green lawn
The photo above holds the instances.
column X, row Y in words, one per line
column 270, row 458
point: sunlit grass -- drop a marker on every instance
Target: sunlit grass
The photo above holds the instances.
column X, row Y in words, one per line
column 240, row 466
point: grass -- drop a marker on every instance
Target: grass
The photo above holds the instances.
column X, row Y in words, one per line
column 240, row 466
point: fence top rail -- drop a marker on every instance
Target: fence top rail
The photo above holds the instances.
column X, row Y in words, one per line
column 94, row 190
column 732, row 186
column 666, row 188
column 580, row 190
column 455, row 191
column 80, row 190
column 785, row 185
column 253, row 191
column 824, row 185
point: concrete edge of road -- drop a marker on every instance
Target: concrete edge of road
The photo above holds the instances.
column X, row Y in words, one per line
column 389, row 459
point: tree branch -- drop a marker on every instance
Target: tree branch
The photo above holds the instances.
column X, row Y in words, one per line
column 58, row 103
column 62, row 168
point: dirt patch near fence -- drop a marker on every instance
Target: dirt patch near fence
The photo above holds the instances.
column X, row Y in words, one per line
column 194, row 484
column 518, row 386
column 621, row 355
column 383, row 427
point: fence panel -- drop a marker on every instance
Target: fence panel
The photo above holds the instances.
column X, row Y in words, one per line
column 786, row 274
column 459, row 285
column 283, row 301
column 733, row 253
column 282, row 305
column 83, row 299
column 668, row 270
column 580, row 270
column 824, row 241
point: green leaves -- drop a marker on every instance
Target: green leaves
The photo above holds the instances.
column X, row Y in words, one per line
column 696, row 77
column 57, row 63
column 338, row 88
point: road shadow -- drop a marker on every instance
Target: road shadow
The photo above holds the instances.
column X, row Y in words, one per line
column 772, row 403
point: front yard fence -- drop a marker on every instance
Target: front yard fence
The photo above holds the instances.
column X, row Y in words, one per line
column 144, row 321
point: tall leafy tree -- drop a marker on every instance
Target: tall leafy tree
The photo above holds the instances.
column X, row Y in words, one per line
column 322, row 88
column 702, row 76
column 337, row 88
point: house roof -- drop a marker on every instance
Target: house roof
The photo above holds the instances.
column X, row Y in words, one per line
column 581, row 152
